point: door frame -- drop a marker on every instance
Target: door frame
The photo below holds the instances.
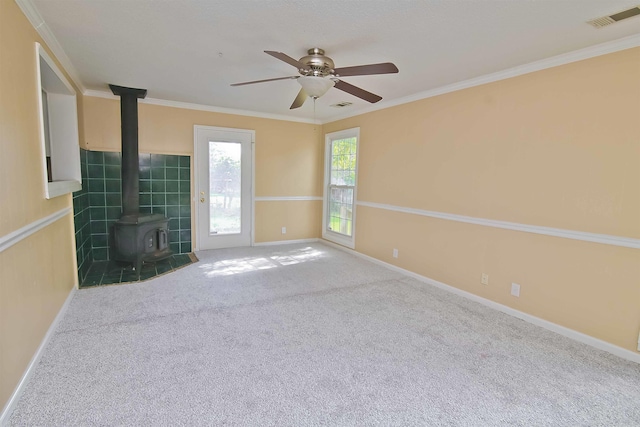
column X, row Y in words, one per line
column 196, row 184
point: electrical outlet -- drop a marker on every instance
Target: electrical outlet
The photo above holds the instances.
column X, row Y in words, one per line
column 485, row 279
column 515, row 289
column 284, row 230
column 395, row 253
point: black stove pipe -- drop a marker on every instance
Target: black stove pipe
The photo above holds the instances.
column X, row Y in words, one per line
column 129, row 123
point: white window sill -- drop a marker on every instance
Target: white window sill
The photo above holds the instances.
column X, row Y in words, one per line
column 59, row 188
column 340, row 239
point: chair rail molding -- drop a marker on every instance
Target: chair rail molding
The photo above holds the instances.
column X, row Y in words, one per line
column 607, row 239
column 287, row 198
column 15, row 236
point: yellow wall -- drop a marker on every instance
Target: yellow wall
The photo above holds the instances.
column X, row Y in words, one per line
column 37, row 273
column 557, row 148
column 303, row 220
column 288, row 156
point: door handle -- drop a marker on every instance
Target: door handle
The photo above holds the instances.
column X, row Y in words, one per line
column 201, row 199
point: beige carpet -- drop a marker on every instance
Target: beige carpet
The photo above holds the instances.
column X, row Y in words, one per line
column 305, row 335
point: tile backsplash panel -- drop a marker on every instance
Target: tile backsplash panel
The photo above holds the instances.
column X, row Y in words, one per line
column 165, row 188
column 82, row 222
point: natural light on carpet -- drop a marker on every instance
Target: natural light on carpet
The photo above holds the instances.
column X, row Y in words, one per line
column 228, row 267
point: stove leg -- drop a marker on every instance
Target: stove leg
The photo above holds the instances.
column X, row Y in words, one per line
column 138, row 267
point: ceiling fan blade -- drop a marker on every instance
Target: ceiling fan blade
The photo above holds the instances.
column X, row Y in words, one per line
column 297, row 103
column 262, row 81
column 364, row 70
column 286, row 58
column 356, row 91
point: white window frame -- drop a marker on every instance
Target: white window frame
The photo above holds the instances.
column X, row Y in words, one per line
column 61, row 123
column 341, row 239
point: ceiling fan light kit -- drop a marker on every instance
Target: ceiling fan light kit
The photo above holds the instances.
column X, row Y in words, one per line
column 315, row 87
column 318, row 74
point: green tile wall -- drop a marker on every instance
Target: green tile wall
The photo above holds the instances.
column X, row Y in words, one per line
column 165, row 187
column 82, row 222
column 105, row 200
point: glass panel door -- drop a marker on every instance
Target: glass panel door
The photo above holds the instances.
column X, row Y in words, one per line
column 225, row 183
column 223, row 171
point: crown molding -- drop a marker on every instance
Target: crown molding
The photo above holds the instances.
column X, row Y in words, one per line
column 201, row 107
column 34, row 17
column 32, row 14
column 554, row 61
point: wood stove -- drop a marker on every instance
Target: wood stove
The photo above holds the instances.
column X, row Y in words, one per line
column 137, row 237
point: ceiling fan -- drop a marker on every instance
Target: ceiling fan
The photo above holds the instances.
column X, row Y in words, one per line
column 318, row 74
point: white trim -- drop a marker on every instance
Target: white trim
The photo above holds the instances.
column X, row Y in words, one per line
column 553, row 327
column 59, row 188
column 623, row 43
column 252, row 223
column 349, row 241
column 36, row 20
column 252, row 239
column 63, row 127
column 554, row 61
column 201, row 107
column 286, row 198
column 606, row 239
column 286, row 242
column 15, row 236
column 42, row 52
column 17, row 392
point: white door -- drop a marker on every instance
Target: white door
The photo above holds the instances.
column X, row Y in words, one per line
column 223, row 174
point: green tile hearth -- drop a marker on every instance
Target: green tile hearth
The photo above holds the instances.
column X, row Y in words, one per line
column 165, row 188
column 165, row 191
column 114, row 272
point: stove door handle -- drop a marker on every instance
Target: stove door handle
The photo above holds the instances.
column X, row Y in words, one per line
column 162, row 238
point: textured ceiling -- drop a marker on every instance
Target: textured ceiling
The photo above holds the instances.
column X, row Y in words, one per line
column 192, row 50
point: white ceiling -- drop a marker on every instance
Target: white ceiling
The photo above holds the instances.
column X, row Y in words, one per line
column 192, row 50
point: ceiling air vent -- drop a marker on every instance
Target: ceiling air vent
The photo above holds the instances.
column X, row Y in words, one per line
column 342, row 104
column 612, row 19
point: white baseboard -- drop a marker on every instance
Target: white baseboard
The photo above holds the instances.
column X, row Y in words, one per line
column 17, row 393
column 286, row 242
column 562, row 330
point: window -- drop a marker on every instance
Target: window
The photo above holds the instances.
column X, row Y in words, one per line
column 341, row 176
column 58, row 128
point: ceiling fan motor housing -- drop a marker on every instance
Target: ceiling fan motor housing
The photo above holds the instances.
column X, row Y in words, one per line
column 319, row 65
